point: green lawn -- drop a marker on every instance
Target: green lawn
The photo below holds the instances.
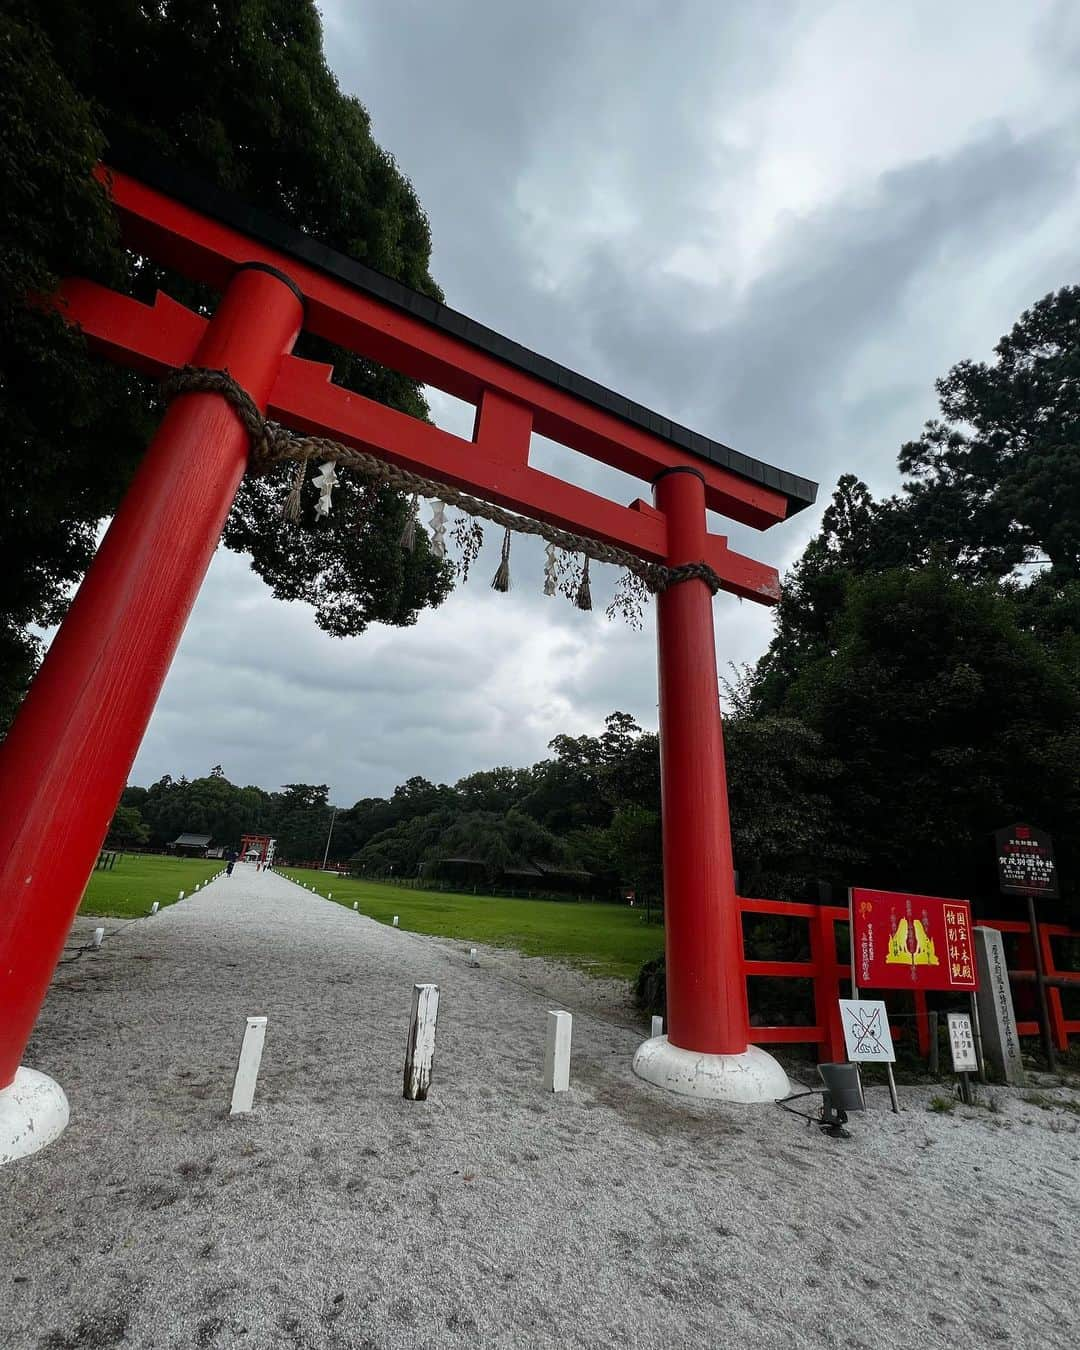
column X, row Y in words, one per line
column 602, row 939
column 138, row 880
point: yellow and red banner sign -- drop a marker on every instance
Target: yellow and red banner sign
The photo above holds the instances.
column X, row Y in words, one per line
column 912, row 941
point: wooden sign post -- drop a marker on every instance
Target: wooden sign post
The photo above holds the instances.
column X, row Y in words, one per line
column 962, row 1045
column 420, row 1050
column 1026, row 866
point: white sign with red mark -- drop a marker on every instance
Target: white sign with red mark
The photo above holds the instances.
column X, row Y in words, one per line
column 866, row 1031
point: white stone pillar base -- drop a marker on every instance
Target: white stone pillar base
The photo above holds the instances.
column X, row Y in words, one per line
column 33, row 1112
column 753, row 1076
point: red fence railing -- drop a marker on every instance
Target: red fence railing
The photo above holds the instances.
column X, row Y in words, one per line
column 829, row 973
column 1023, row 976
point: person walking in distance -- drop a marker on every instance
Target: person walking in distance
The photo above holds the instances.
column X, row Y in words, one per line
column 230, row 862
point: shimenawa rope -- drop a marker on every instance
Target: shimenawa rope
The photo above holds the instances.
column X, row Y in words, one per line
column 272, row 443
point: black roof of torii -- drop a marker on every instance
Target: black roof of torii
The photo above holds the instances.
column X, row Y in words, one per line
column 134, row 158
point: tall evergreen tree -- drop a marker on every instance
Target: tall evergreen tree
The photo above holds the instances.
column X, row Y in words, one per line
column 238, row 91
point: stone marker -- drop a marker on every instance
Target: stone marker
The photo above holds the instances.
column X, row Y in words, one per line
column 99, row 935
column 395, row 921
column 472, row 957
column 420, row 1048
column 657, row 1026
column 247, row 1067
column 180, row 896
column 1001, row 1044
column 154, row 906
column 557, row 1052
column 356, row 905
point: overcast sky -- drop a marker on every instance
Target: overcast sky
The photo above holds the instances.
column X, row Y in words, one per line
column 776, row 223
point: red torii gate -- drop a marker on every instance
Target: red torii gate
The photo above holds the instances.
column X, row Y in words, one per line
column 67, row 757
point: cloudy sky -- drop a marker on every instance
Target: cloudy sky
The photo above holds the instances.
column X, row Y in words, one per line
column 775, row 222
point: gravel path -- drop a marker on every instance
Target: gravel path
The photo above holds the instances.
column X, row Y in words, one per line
column 338, row 1215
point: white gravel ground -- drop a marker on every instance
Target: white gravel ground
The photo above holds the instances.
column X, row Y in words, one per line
column 339, row 1215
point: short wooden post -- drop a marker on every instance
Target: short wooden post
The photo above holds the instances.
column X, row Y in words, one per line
column 247, row 1067
column 557, row 1052
column 420, row 1048
column 99, row 936
column 657, row 1027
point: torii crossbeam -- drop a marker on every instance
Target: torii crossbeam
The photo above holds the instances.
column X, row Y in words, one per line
column 68, row 754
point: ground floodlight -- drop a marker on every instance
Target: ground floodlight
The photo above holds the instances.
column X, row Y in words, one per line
column 843, row 1093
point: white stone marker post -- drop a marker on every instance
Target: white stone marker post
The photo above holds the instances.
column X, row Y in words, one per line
column 657, row 1026
column 472, row 957
column 997, row 1020
column 180, row 896
column 557, row 1052
column 356, row 905
column 420, row 1048
column 99, row 936
column 154, row 906
column 395, row 920
column 247, row 1066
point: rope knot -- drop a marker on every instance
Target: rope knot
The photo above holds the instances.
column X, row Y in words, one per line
column 262, row 435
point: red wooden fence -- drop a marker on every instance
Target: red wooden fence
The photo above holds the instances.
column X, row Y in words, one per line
column 1024, row 976
column 829, row 973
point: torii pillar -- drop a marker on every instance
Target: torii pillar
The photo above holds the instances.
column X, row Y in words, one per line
column 705, row 1051
column 67, row 756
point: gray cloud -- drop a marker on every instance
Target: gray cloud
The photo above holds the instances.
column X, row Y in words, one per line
column 778, row 232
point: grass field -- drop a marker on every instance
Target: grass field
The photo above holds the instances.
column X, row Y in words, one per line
column 602, row 939
column 138, row 880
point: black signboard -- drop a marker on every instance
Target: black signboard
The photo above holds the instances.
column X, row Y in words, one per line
column 1025, row 862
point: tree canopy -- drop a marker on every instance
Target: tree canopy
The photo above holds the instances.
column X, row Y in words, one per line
column 932, row 639
column 269, row 123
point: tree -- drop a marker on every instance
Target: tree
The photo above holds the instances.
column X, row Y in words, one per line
column 947, row 719
column 783, row 827
column 857, row 535
column 64, row 476
column 998, row 476
column 268, row 122
column 300, row 817
column 127, row 829
column 498, row 841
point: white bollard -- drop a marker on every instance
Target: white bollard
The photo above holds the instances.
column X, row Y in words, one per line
column 247, row 1066
column 420, row 1048
column 557, row 1052
column 196, row 885
column 180, row 896
column 329, row 895
column 99, row 936
column 154, row 907
column 472, row 957
column 356, row 905
column 395, row 921
column 657, row 1026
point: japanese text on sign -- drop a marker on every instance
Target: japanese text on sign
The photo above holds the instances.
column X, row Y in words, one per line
column 962, row 1043
column 1025, row 862
column 911, row 941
